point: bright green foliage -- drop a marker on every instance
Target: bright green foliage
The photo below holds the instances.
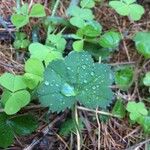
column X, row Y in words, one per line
column 12, row 82
column 80, row 16
column 76, row 78
column 39, row 51
column 16, row 125
column 90, row 29
column 21, row 17
column 145, row 123
column 56, row 42
column 37, row 10
column 128, row 8
column 142, row 43
column 146, row 79
column 21, row 41
column 119, row 109
column 34, row 72
column 136, row 110
column 78, row 45
column 110, row 39
column 87, row 3
column 15, row 95
column 44, row 53
column 124, row 77
column 19, row 20
column 16, row 101
column 69, row 126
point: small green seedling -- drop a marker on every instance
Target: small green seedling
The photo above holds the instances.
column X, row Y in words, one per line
column 119, row 109
column 142, row 43
column 80, row 16
column 76, row 78
column 15, row 125
column 15, row 95
column 110, row 40
column 21, row 41
column 146, row 79
column 21, row 17
column 136, row 110
column 128, row 8
column 124, row 78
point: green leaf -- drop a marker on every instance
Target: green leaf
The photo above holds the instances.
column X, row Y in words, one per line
column 91, row 29
column 87, row 3
column 146, row 79
column 5, row 96
column 53, row 55
column 80, row 16
column 21, row 41
column 76, row 78
column 24, row 124
column 142, row 43
column 136, row 12
column 39, row 51
column 24, row 9
column 120, row 7
column 12, row 82
column 119, row 109
column 37, row 10
column 110, row 39
column 136, row 110
column 56, row 42
column 145, row 123
column 78, row 45
column 32, row 80
column 69, row 126
column 20, row 125
column 77, row 21
column 19, row 20
column 31, row 67
column 16, row 101
column 124, row 78
column 128, row 8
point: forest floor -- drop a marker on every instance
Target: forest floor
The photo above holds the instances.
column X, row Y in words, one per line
column 115, row 134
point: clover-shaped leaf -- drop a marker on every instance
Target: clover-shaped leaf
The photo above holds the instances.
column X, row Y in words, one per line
column 16, row 125
column 56, row 42
column 110, row 39
column 37, row 10
column 146, row 79
column 142, row 43
column 128, row 8
column 80, row 16
column 12, row 82
column 21, row 40
column 34, row 74
column 19, row 20
column 76, row 78
column 136, row 110
column 13, row 102
column 90, row 29
column 124, row 78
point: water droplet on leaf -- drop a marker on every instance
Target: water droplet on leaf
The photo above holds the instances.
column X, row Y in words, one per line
column 46, row 83
column 68, row 90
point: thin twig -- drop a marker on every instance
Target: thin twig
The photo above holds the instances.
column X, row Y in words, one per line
column 55, row 8
column 99, row 112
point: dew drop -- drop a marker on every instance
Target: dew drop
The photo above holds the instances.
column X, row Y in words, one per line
column 68, row 68
column 93, row 87
column 84, row 67
column 46, row 83
column 85, row 81
column 92, row 73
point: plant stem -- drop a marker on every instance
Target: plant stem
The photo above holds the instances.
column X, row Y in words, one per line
column 18, row 3
column 76, row 120
column 55, row 7
column 77, row 129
